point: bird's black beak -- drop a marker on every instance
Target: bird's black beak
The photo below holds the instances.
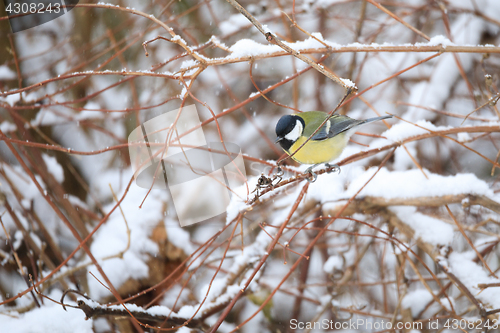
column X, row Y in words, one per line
column 278, row 139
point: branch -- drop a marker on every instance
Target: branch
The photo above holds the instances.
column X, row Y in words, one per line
column 94, row 310
column 271, row 38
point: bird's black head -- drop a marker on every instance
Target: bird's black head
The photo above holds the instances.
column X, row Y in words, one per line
column 288, row 129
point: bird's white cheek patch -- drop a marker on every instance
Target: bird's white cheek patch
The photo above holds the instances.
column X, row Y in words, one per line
column 295, row 133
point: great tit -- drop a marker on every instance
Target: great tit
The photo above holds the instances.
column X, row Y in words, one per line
column 326, row 145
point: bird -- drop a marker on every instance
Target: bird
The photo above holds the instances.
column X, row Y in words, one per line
column 324, row 146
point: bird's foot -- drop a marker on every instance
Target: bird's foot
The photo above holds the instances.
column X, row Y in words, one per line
column 334, row 168
column 313, row 174
column 313, row 177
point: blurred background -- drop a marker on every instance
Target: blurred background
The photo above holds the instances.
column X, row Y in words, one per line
column 73, row 89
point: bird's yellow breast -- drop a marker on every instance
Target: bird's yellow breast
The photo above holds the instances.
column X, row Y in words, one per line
column 316, row 152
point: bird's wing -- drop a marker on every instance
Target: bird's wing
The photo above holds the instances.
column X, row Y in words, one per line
column 334, row 126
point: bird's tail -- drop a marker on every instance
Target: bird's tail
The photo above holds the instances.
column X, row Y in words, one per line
column 377, row 118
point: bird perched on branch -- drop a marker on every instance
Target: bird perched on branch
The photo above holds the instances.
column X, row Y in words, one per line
column 324, row 146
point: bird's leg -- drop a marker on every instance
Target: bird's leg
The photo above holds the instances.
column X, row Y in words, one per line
column 309, row 170
column 334, row 167
column 314, row 176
